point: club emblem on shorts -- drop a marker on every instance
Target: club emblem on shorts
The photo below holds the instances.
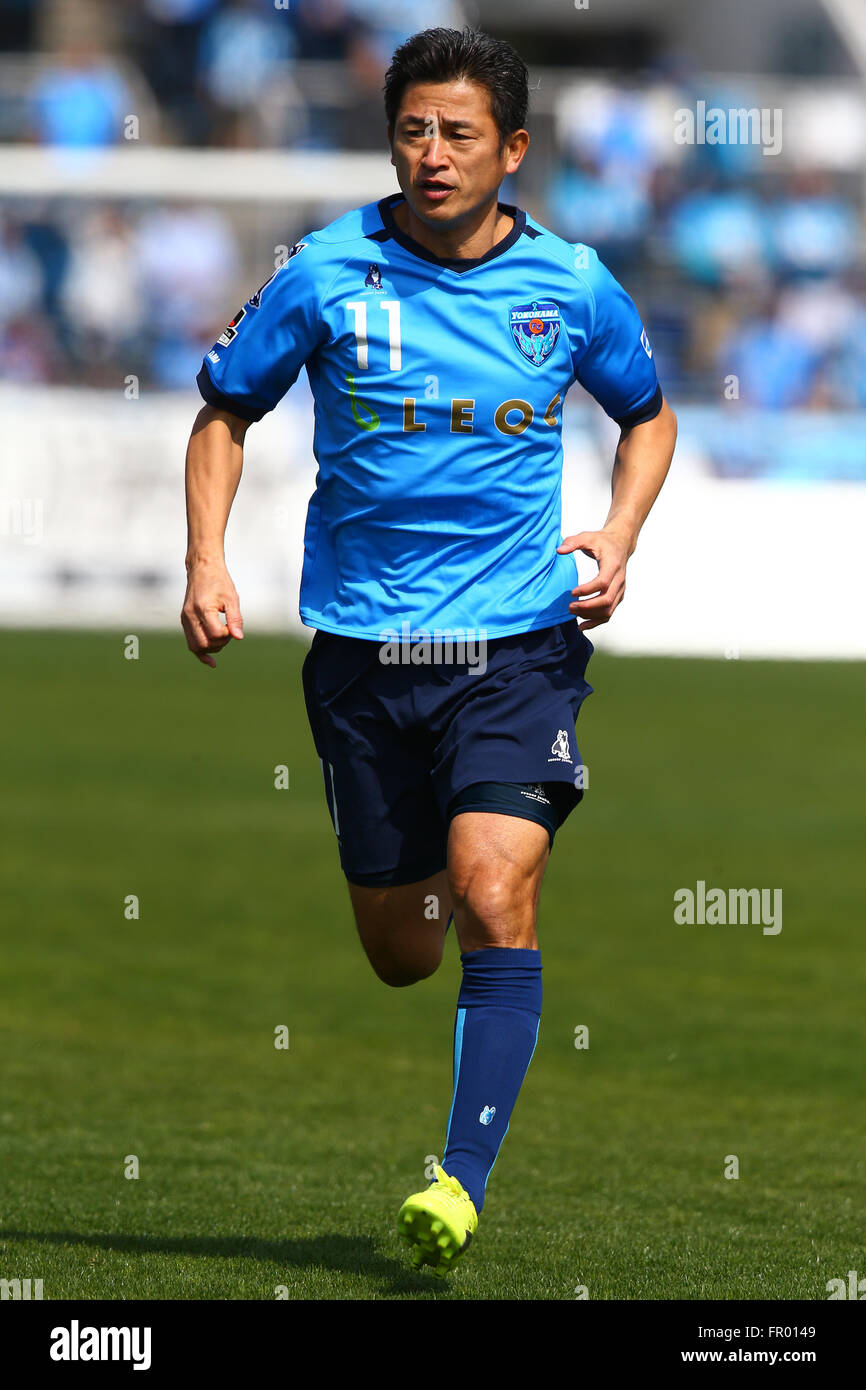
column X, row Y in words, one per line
column 559, row 748
column 374, row 279
column 487, row 1114
column 535, row 329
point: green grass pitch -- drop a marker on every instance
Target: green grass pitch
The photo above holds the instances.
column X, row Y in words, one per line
column 260, row 1167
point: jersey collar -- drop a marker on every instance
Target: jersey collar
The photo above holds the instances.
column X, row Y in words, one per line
column 459, row 263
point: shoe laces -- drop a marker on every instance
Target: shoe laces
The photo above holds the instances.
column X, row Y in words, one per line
column 452, row 1189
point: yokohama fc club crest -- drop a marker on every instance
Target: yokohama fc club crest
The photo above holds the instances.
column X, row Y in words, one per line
column 535, row 329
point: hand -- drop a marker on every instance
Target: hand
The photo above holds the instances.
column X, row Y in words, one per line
column 210, row 593
column 611, row 550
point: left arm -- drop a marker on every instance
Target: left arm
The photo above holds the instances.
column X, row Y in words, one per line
column 643, row 457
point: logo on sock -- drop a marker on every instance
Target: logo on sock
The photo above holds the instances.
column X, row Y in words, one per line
column 487, row 1114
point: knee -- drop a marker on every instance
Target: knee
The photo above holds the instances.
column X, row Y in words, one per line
column 494, row 907
column 487, row 893
column 403, row 962
column 398, row 972
column 402, row 944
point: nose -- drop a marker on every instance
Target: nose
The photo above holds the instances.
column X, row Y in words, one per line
column 434, row 151
column 434, row 166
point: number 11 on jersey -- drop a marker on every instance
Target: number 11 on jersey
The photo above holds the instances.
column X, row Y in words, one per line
column 358, row 308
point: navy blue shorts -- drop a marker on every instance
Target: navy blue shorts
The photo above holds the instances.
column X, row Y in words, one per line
column 400, row 743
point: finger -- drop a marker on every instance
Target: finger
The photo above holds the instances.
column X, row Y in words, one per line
column 603, row 615
column 596, row 622
column 591, row 607
column 234, row 621
column 598, row 585
column 196, row 633
column 212, row 624
column 584, row 540
column 601, row 582
column 197, row 639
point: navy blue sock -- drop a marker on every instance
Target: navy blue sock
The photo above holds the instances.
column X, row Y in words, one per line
column 495, row 1032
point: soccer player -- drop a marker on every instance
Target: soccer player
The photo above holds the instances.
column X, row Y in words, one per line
column 441, row 330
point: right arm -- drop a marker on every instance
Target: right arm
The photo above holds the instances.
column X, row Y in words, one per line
column 214, row 461
column 252, row 365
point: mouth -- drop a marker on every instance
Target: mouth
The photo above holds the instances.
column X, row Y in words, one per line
column 434, row 190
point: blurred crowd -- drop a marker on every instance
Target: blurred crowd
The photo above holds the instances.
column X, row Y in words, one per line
column 751, row 277
column 221, row 72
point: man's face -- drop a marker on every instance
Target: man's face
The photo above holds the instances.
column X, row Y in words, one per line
column 445, row 148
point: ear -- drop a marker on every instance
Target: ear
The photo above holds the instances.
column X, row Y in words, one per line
column 518, row 144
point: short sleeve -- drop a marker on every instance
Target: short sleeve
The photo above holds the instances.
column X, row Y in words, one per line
column 617, row 367
column 258, row 357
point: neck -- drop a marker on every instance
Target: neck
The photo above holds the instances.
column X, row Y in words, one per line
column 471, row 238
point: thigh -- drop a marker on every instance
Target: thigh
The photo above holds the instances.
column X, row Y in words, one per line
column 514, row 721
column 375, row 766
column 547, row 803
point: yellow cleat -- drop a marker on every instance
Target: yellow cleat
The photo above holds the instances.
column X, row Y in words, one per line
column 438, row 1223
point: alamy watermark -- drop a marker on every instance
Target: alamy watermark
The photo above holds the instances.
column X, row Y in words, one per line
column 439, row 647
column 855, row 1288
column 741, row 125
column 77, row 1343
column 23, row 1289
column 22, row 517
column 718, row 907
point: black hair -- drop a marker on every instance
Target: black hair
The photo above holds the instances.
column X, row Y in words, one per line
column 447, row 55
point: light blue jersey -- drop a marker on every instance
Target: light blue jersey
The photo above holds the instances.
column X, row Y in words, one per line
column 438, row 388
